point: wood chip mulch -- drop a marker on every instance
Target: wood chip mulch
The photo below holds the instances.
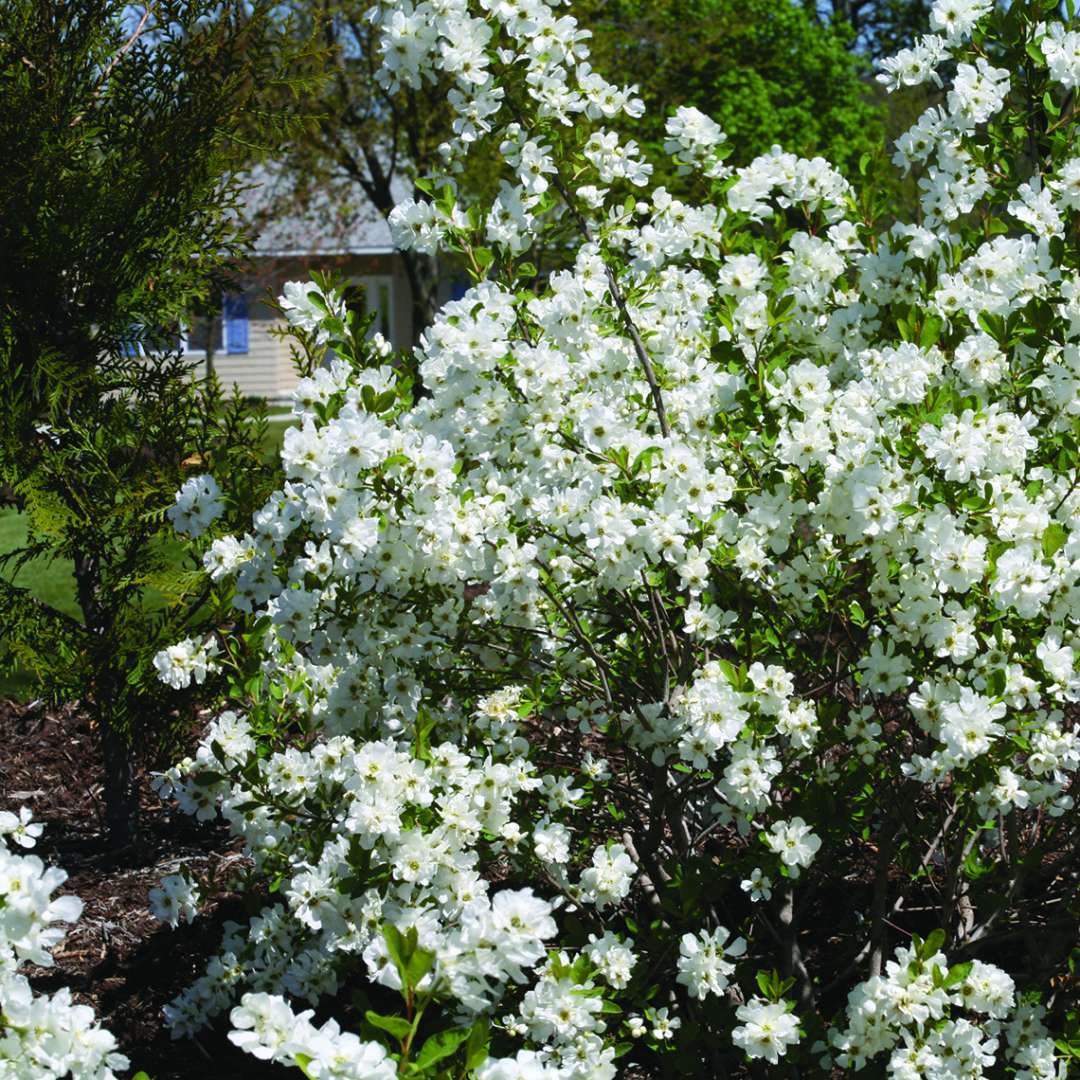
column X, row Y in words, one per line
column 117, row 958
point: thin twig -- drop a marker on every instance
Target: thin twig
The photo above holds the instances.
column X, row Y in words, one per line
column 624, row 311
column 614, row 289
column 135, row 35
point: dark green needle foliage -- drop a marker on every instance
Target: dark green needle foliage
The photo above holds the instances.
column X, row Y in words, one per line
column 118, row 215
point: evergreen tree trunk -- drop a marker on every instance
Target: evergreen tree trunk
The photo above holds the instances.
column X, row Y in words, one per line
column 121, row 793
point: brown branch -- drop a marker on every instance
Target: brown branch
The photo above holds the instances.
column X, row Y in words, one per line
column 624, row 310
column 794, row 961
column 614, row 289
column 120, row 53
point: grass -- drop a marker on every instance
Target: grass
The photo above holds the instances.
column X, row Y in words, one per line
column 53, row 581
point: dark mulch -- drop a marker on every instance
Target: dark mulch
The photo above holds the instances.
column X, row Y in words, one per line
column 117, row 958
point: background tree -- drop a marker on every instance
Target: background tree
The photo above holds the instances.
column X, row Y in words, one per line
column 118, row 213
column 765, row 70
column 367, row 146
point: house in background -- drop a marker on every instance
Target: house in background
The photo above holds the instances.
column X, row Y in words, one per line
column 356, row 243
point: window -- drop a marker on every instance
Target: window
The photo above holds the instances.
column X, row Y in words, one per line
column 234, row 317
column 224, row 333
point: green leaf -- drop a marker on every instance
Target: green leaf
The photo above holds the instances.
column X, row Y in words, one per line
column 957, row 974
column 440, row 1045
column 930, row 332
column 397, row 1026
column 782, row 308
column 932, row 944
column 476, row 1049
column 425, row 725
column 302, row 1063
column 995, row 682
column 418, row 965
column 994, row 325
column 1054, row 539
column 1068, row 1048
column 395, row 946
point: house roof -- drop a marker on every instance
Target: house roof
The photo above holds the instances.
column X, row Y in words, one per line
column 335, row 219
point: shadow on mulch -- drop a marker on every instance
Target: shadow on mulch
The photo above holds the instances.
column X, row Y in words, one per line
column 117, row 958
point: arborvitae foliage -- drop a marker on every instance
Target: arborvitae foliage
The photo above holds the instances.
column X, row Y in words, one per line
column 118, row 213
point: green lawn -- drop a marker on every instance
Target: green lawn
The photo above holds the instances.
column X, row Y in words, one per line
column 52, row 582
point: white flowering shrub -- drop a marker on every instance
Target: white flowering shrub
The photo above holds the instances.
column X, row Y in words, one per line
column 42, row 1037
column 670, row 667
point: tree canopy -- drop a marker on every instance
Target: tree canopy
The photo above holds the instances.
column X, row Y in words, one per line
column 765, row 70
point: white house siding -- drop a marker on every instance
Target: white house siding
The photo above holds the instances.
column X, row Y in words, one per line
column 258, row 372
column 266, row 370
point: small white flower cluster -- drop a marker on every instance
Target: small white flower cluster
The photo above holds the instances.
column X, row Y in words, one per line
column 268, row 1029
column 199, row 503
column 189, row 659
column 563, row 1015
column 306, row 306
column 767, row 1030
column 1061, row 47
column 788, row 180
column 694, row 137
column 177, row 898
column 525, row 1065
column 970, row 725
column 20, row 828
column 609, row 878
column 703, row 967
column 421, row 822
column 42, row 1037
column 943, row 1023
column 795, row 842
